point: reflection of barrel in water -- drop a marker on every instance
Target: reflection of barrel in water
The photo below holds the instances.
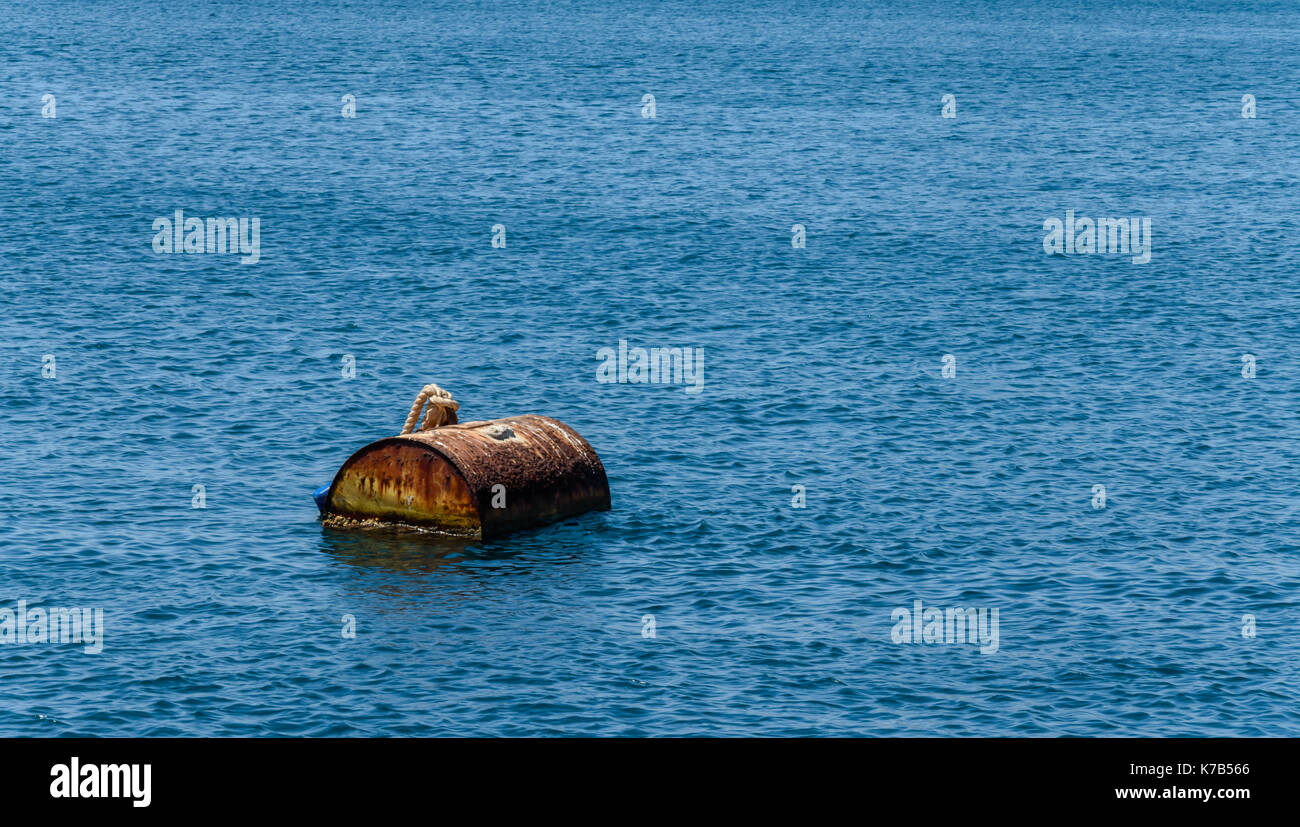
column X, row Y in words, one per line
column 397, row 549
column 405, row 550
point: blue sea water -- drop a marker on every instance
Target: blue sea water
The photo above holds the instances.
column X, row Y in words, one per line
column 822, row 365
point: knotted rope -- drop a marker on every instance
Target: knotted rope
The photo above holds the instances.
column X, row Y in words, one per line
column 442, row 409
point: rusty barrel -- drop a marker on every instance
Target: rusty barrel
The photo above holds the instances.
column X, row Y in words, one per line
column 480, row 479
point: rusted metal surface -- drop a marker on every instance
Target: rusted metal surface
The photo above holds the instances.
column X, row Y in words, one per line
column 447, row 478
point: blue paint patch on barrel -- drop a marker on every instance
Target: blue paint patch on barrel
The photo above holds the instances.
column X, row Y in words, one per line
column 320, row 494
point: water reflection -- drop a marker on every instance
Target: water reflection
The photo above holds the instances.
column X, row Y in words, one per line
column 420, row 576
column 404, row 549
column 399, row 549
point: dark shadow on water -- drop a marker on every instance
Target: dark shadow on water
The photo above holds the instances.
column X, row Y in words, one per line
column 409, row 550
column 398, row 549
column 405, row 573
column 411, row 578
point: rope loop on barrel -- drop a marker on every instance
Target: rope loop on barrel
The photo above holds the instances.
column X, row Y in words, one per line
column 441, row 411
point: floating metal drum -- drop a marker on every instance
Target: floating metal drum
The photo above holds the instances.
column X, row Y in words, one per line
column 479, row 479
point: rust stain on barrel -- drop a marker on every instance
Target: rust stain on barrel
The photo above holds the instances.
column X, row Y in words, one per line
column 444, row 478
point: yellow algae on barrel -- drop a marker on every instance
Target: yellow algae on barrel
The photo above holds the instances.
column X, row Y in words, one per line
column 479, row 479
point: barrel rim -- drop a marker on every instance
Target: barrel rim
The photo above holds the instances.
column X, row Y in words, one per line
column 402, row 439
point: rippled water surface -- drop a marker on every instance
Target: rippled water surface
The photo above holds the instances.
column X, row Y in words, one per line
column 822, row 366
